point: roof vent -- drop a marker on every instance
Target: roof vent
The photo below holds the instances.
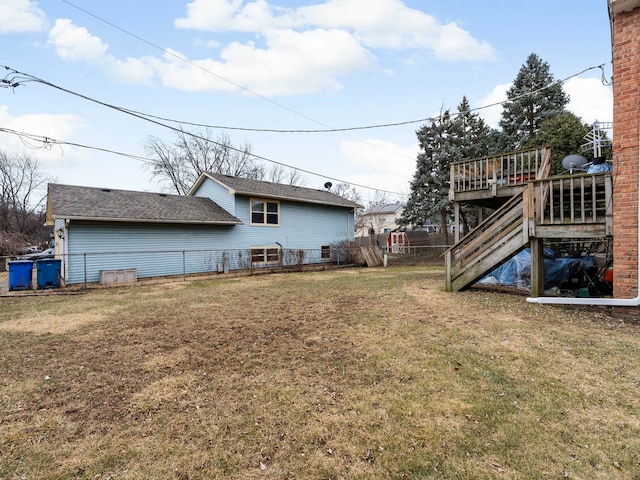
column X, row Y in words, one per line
column 106, row 190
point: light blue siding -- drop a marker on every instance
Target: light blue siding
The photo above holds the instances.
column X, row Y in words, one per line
column 95, row 246
column 302, row 226
column 218, row 194
column 109, row 246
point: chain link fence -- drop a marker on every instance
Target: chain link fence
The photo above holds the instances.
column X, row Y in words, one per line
column 122, row 267
column 412, row 256
column 119, row 267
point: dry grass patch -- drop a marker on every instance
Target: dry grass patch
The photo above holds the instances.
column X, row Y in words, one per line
column 374, row 373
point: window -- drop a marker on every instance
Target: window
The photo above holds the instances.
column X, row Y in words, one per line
column 264, row 212
column 265, row 255
column 325, row 251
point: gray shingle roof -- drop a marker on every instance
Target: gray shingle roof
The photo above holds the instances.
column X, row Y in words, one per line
column 107, row 204
column 384, row 208
column 246, row 186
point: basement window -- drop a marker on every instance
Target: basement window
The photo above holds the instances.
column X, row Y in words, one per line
column 265, row 256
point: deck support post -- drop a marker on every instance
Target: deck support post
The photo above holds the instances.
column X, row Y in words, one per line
column 456, row 222
column 537, row 267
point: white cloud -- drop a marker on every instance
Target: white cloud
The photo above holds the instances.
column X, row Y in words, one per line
column 295, row 62
column 385, row 24
column 492, row 114
column 132, row 70
column 296, row 51
column 73, row 43
column 389, row 166
column 58, row 127
column 76, row 44
column 226, row 15
column 291, row 63
column 21, row 16
column 590, row 99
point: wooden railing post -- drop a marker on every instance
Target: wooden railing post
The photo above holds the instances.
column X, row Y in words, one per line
column 608, row 215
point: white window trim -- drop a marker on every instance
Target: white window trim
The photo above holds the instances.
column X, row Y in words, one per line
column 265, row 201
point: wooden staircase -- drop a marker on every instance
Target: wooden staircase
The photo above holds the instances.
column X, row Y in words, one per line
column 494, row 241
column 576, row 206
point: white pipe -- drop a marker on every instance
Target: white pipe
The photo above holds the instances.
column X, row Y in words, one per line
column 615, row 302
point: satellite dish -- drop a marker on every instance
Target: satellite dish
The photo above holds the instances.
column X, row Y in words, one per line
column 574, row 162
column 328, row 185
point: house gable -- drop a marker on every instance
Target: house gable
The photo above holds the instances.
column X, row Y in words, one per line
column 259, row 188
column 219, row 193
column 277, row 214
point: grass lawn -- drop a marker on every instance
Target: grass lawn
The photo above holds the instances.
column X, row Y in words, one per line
column 349, row 374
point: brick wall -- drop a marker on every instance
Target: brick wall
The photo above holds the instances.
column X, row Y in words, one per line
column 626, row 115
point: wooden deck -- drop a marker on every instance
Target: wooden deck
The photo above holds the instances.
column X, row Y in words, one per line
column 571, row 206
column 490, row 181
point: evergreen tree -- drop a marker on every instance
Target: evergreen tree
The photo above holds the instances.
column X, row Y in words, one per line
column 565, row 134
column 533, row 98
column 445, row 139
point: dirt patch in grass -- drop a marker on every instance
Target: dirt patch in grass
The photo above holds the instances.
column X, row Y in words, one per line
column 372, row 373
column 50, row 324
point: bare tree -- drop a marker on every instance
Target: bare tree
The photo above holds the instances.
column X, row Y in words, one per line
column 287, row 176
column 22, row 196
column 179, row 164
column 347, row 191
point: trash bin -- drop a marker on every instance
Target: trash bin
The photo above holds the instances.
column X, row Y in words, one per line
column 20, row 274
column 48, row 271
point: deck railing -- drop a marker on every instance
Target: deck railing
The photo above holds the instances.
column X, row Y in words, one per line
column 576, row 206
column 579, row 204
column 503, row 170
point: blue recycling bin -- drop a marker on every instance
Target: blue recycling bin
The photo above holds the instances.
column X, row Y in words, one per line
column 20, row 274
column 48, row 273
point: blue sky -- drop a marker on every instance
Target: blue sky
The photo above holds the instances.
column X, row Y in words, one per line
column 281, row 64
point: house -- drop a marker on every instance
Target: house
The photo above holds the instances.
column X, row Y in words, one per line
column 224, row 220
column 378, row 219
column 624, row 17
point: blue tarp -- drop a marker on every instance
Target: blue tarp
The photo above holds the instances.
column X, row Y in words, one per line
column 599, row 168
column 516, row 272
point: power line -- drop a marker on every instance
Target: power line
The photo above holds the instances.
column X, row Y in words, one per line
column 195, row 65
column 30, row 140
column 381, row 125
column 47, row 143
column 16, row 78
column 242, row 87
column 329, row 129
column 19, row 77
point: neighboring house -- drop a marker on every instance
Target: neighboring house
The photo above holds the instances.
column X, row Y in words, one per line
column 99, row 229
column 378, row 219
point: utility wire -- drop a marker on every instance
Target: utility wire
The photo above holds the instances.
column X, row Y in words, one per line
column 382, row 125
column 193, row 64
column 242, row 87
column 18, row 78
column 48, row 142
column 30, row 139
column 326, row 130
